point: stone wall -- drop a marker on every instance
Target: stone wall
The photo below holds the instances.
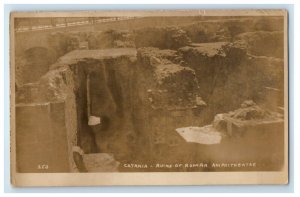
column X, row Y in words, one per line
column 41, row 138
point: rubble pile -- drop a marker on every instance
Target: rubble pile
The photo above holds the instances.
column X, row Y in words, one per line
column 174, row 86
column 163, row 37
column 242, row 133
column 263, row 43
column 250, row 114
column 224, row 30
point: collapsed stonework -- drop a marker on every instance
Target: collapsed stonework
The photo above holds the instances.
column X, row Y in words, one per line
column 249, row 115
column 251, row 127
column 166, row 96
column 263, row 43
column 67, row 82
column 163, row 38
column 224, row 30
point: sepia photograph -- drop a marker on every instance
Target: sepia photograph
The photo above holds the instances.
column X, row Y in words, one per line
column 142, row 97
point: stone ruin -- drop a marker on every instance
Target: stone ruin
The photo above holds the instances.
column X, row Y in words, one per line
column 118, row 96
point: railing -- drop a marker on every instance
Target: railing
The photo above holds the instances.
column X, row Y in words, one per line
column 90, row 21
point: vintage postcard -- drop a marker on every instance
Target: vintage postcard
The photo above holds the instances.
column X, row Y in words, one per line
column 161, row 97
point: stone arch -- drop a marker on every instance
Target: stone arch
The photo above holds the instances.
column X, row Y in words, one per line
column 32, row 64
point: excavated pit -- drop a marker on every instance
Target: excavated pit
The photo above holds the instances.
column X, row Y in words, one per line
column 103, row 81
column 141, row 98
